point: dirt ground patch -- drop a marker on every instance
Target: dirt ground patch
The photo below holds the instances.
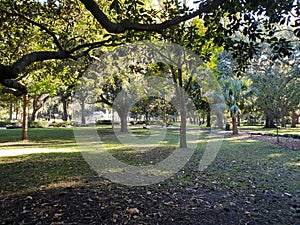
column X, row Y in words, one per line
column 290, row 143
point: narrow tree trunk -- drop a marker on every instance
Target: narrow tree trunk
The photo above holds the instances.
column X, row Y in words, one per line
column 82, row 113
column 234, row 125
column 183, row 143
column 11, row 106
column 208, row 119
column 65, row 111
column 17, row 111
column 249, row 119
column 25, row 118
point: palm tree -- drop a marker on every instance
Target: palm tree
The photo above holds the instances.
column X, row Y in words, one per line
column 235, row 91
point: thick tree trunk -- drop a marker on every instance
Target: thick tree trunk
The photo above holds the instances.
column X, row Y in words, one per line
column 294, row 119
column 123, row 116
column 269, row 120
column 25, row 118
column 220, row 121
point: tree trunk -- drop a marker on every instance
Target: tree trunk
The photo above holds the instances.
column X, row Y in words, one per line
column 294, row 119
column 65, row 111
column 234, row 125
column 38, row 103
column 249, row 120
column 220, row 120
column 178, row 81
column 123, row 116
column 208, row 119
column 33, row 115
column 17, row 110
column 11, row 106
column 25, row 118
column 82, row 105
column 269, row 120
column 183, row 143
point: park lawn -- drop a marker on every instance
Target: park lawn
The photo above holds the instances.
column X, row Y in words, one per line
column 249, row 182
column 39, row 135
column 261, row 130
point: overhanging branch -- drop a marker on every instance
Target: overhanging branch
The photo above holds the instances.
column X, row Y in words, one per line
column 121, row 27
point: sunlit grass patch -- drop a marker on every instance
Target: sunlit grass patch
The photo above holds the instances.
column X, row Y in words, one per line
column 281, row 130
column 40, row 135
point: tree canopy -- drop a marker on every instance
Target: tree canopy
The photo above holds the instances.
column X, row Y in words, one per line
column 35, row 31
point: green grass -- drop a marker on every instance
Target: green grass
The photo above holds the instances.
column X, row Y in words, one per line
column 252, row 180
column 240, row 163
column 33, row 172
column 40, row 135
column 262, row 130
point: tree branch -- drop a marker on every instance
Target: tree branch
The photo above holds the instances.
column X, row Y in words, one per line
column 13, row 87
column 42, row 27
column 104, row 100
column 30, row 58
column 121, row 27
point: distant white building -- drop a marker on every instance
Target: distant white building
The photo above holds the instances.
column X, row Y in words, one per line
column 107, row 115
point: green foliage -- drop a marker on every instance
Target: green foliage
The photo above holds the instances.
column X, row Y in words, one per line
column 62, row 124
column 38, row 124
column 276, row 83
column 103, row 122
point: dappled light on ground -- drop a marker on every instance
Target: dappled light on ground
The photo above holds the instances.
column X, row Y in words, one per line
column 248, row 182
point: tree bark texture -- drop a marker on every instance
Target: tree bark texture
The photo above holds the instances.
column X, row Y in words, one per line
column 269, row 119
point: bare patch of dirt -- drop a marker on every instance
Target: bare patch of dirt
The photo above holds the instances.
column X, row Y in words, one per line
column 290, row 143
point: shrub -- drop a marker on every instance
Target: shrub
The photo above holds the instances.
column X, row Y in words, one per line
column 38, row 124
column 62, row 124
column 103, row 122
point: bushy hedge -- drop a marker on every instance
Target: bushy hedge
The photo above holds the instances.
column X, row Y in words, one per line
column 10, row 125
column 62, row 124
column 103, row 122
column 38, row 124
column 4, row 123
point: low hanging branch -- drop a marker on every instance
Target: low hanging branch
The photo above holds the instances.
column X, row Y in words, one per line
column 8, row 74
